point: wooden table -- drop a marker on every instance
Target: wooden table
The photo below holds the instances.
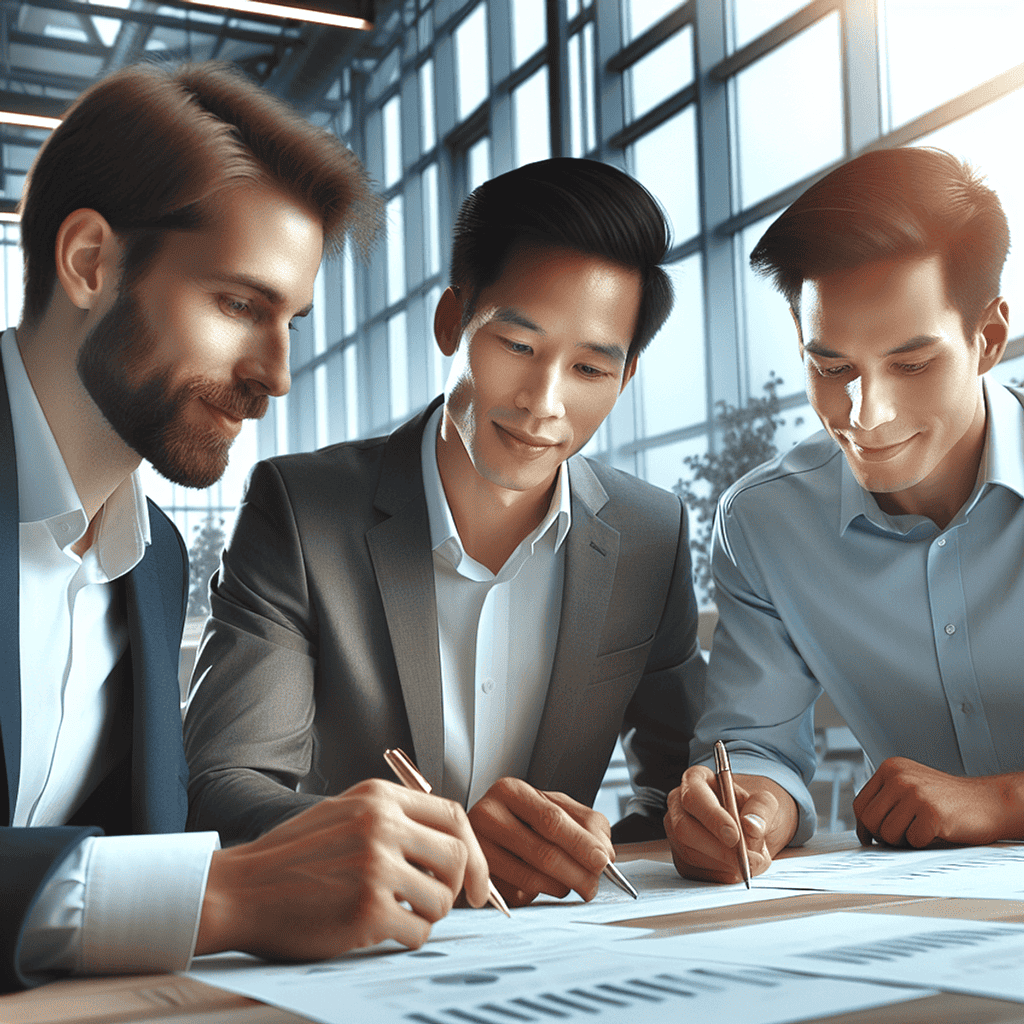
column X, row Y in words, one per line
column 179, row 999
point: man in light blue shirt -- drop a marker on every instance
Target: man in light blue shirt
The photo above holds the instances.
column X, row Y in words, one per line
column 881, row 560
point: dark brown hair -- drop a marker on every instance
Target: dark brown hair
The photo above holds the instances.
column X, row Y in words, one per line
column 148, row 146
column 893, row 204
column 569, row 203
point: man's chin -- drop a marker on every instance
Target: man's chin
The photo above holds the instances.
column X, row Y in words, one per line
column 193, row 463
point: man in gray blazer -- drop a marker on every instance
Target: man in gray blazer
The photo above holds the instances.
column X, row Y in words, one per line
column 470, row 588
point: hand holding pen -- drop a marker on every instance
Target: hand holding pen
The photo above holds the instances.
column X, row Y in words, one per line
column 409, row 775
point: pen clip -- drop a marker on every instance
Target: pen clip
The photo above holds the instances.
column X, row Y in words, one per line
column 721, row 758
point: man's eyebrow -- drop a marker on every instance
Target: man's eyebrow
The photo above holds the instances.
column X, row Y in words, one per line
column 508, row 315
column 272, row 295
column 614, row 352
column 921, row 341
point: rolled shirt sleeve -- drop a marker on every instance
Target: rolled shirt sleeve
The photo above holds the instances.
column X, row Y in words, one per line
column 120, row 904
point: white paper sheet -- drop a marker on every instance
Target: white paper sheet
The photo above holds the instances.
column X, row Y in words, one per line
column 984, row 958
column 984, row 872
column 574, row 977
column 662, row 891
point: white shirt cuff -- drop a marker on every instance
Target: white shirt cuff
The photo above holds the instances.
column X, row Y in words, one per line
column 120, row 904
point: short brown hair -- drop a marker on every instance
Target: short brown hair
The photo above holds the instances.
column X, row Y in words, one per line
column 893, row 204
column 148, row 146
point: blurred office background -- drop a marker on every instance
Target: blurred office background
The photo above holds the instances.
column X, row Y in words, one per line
column 725, row 109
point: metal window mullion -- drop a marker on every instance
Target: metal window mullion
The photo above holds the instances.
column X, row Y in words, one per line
column 723, row 337
column 861, row 69
column 558, row 84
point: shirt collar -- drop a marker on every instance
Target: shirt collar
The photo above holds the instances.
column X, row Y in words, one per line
column 1002, row 464
column 46, row 492
column 443, row 532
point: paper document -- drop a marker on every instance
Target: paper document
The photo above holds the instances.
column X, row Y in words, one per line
column 984, row 958
column 596, row 981
column 981, row 872
column 662, row 891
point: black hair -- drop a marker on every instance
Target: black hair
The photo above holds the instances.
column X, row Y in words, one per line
column 584, row 205
column 893, row 204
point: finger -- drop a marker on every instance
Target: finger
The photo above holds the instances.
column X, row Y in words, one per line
column 923, row 830
column 563, row 833
column 448, row 816
column 867, row 793
column 593, row 822
column 864, row 834
column 523, row 857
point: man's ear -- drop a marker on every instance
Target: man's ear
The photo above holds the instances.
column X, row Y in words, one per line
column 993, row 333
column 87, row 254
column 627, row 374
column 448, row 321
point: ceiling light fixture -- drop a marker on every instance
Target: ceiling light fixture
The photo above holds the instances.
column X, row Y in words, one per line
column 28, row 120
column 9, row 218
column 295, row 13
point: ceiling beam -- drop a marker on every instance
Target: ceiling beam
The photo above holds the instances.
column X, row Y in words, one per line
column 38, row 106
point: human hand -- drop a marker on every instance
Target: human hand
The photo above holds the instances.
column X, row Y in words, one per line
column 909, row 804
column 703, row 835
column 538, row 842
column 335, row 877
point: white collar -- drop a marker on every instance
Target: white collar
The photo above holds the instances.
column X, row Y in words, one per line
column 46, row 492
column 442, row 525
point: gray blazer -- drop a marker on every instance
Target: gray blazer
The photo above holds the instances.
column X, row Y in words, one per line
column 322, row 648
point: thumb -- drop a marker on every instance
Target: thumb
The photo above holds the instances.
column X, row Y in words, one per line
column 758, row 814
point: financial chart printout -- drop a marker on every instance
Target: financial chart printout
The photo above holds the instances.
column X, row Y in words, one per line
column 983, row 958
column 986, row 872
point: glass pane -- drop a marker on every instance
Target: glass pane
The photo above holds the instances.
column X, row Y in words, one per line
column 351, row 393
column 392, row 141
column 431, row 241
column 937, row 49
column 1010, row 371
column 319, row 313
column 396, row 249
column 671, row 376
column 790, row 112
column 663, row 467
column 428, row 134
column 471, row 61
column 664, row 71
column 349, row 292
column 752, row 17
column 385, row 74
column 398, row 365
column 478, row 163
column 582, row 119
column 665, row 160
column 529, row 29
column 530, row 110
column 639, row 15
column 320, row 393
column 983, row 141
column 771, row 338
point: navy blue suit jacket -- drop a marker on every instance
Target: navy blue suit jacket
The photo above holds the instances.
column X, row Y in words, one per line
column 147, row 791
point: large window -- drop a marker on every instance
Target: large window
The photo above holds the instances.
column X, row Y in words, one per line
column 725, row 109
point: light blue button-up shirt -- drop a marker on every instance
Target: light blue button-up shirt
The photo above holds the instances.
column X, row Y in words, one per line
column 916, row 633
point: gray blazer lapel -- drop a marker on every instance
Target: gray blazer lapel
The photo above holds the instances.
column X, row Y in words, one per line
column 10, row 681
column 591, row 555
column 404, row 565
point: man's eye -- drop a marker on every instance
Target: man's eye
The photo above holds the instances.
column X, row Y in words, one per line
column 912, row 367
column 590, row 371
column 830, row 371
column 517, row 347
column 234, row 307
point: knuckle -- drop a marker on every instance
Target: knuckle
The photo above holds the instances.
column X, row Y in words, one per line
column 548, row 858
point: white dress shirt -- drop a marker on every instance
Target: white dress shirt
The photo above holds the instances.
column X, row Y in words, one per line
column 497, row 637
column 114, row 903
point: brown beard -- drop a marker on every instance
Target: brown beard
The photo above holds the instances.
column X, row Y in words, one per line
column 149, row 417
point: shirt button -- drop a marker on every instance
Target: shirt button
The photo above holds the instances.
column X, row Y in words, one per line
column 64, row 527
column 941, row 542
column 487, row 685
column 966, row 707
column 950, row 629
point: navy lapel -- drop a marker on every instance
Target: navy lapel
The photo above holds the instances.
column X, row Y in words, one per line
column 155, row 606
column 10, row 659
column 404, row 566
column 591, row 556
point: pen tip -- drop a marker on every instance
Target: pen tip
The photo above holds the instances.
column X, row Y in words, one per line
column 747, row 881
